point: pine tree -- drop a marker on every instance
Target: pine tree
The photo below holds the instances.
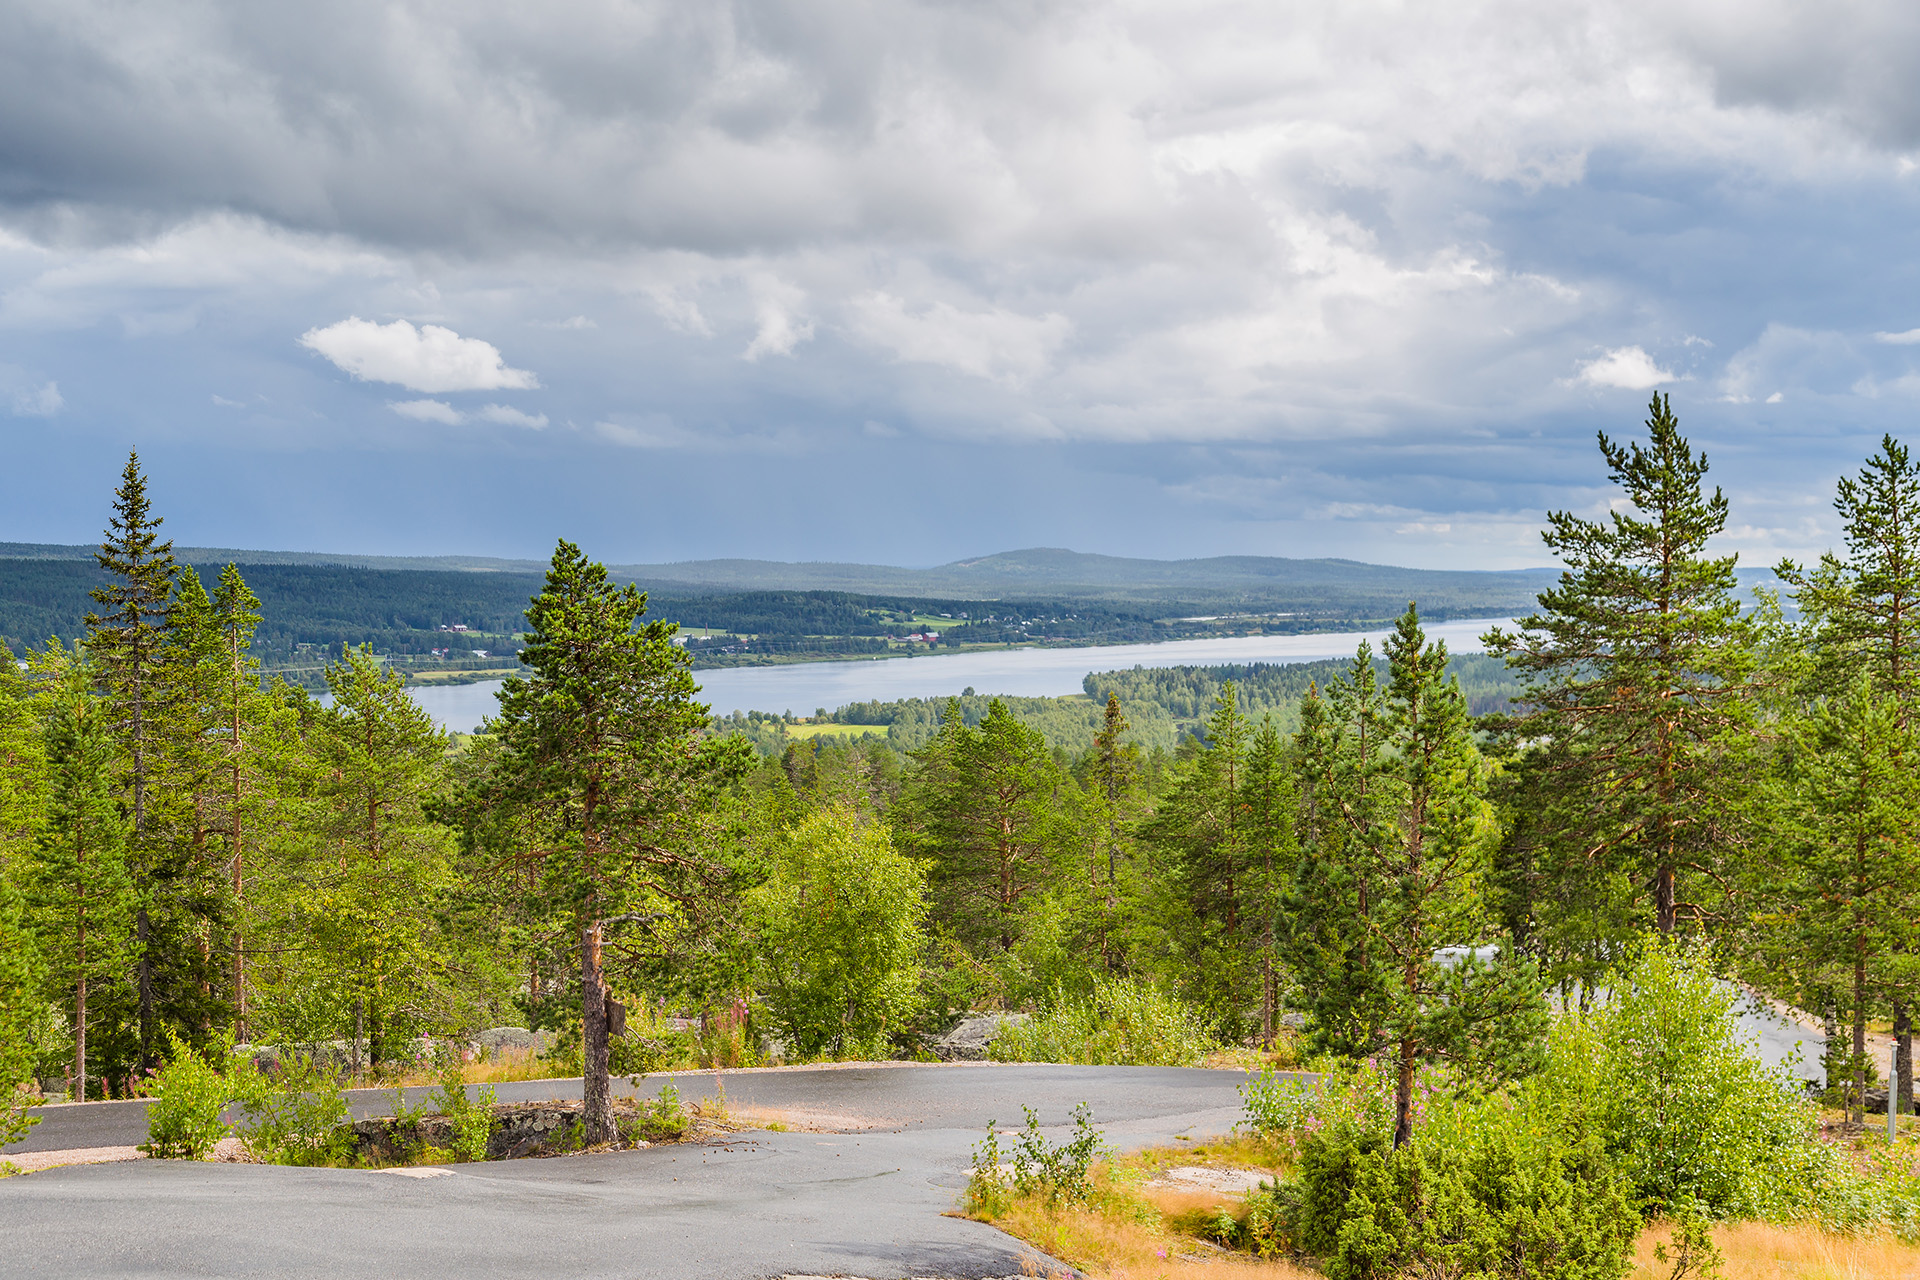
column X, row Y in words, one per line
column 126, row 642
column 603, row 750
column 1861, row 614
column 79, row 883
column 386, row 862
column 235, row 615
column 1389, row 906
column 1201, row 832
column 21, row 1009
column 983, row 805
column 1635, row 669
column 1113, row 780
column 1846, row 868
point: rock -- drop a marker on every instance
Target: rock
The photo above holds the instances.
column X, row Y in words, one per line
column 969, row 1038
column 494, row 1039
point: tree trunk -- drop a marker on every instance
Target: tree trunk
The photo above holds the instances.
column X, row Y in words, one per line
column 1663, row 900
column 1903, row 1055
column 80, row 1017
column 145, row 970
column 1857, row 1106
column 597, row 1111
column 1403, row 1098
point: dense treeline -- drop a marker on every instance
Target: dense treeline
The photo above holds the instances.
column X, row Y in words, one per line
column 1412, row 851
column 403, row 611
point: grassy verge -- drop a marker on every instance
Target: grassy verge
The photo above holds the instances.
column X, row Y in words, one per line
column 1138, row 1223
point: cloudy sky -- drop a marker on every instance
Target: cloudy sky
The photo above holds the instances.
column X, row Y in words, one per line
column 909, row 282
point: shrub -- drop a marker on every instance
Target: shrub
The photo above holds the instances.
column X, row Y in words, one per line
column 1485, row 1191
column 1054, row 1171
column 663, row 1119
column 839, row 923
column 1692, row 1120
column 189, row 1096
column 300, row 1119
column 1123, row 1023
column 472, row 1117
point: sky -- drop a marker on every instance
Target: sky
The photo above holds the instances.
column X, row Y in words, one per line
column 910, row 282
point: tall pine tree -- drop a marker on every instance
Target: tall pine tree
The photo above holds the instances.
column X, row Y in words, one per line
column 1634, row 671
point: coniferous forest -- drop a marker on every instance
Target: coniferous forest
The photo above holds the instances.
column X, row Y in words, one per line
column 1373, row 863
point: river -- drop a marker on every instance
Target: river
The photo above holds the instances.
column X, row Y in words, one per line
column 802, row 687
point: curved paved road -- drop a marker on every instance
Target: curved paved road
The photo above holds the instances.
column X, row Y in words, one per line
column 865, row 1203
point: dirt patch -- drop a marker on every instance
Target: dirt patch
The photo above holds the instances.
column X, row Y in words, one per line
column 32, row 1161
column 1193, row 1177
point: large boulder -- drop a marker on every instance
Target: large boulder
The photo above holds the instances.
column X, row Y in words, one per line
column 969, row 1038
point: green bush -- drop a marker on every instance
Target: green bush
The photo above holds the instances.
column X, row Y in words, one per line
column 1057, row 1171
column 664, row 1119
column 300, row 1119
column 1123, row 1023
column 1484, row 1189
column 184, row 1119
column 1658, row 1072
column 839, row 923
column 472, row 1117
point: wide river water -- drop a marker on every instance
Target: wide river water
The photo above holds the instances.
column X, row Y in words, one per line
column 802, row 687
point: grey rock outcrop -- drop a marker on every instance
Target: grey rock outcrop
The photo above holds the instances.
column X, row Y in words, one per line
column 969, row 1038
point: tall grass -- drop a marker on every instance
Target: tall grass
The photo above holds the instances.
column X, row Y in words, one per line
column 1123, row 1023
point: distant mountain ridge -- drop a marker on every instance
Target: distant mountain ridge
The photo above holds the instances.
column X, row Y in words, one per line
column 1051, row 571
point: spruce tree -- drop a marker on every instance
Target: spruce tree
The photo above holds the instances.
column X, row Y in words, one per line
column 1634, row 672
column 603, row 751
column 126, row 642
column 22, row 1009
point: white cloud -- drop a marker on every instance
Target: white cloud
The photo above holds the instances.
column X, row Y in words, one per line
column 428, row 411
column 512, row 417
column 1904, row 339
column 779, row 333
column 1630, row 368
column 225, row 403
column 39, row 402
column 991, row 343
column 430, row 358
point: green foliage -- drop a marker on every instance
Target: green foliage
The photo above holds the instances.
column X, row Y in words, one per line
column 1056, row 1171
column 300, row 1118
column 1123, row 1022
column 665, row 1118
column 472, row 1117
column 1484, row 1189
column 1658, row 1073
column 839, row 921
column 22, row 1013
column 189, row 1096
column 1388, row 907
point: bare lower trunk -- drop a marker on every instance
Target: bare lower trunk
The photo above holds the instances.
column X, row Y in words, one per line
column 1663, row 900
column 80, row 1028
column 145, row 968
column 597, row 1110
column 1857, row 1105
column 1403, row 1098
column 1903, row 1055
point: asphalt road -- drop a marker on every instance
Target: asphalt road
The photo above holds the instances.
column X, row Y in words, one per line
column 866, row 1203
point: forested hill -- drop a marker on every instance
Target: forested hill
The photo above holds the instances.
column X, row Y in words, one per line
column 403, row 612
column 1333, row 588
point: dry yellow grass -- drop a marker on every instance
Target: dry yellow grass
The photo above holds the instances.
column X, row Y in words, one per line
column 1759, row 1251
column 1129, row 1234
